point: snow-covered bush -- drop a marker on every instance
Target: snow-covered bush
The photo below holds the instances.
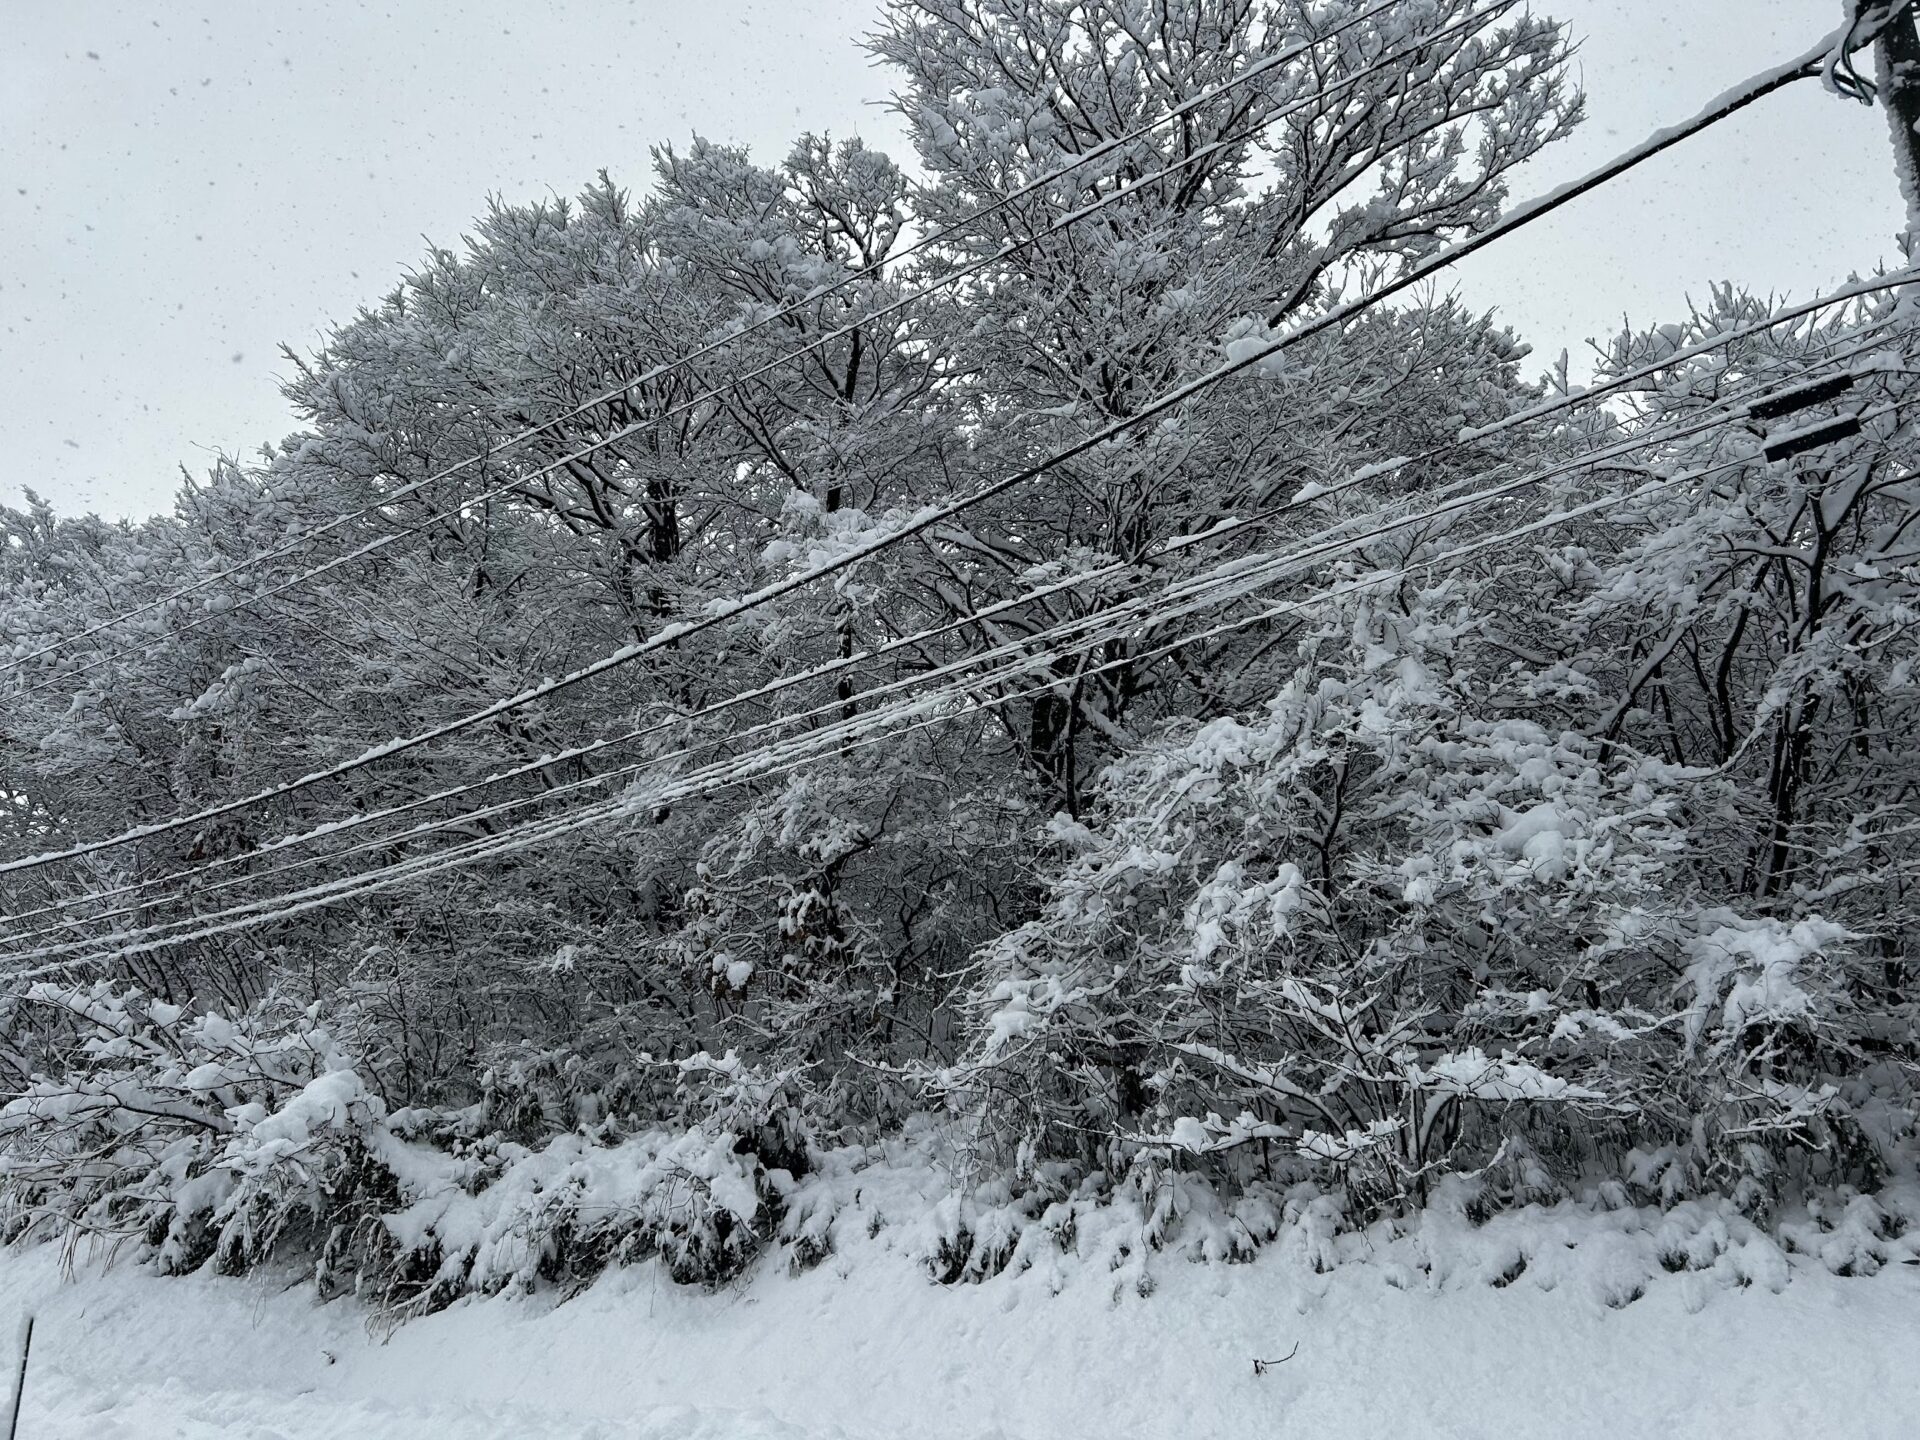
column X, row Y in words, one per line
column 1376, row 929
column 567, row 1210
column 203, row 1136
column 231, row 1140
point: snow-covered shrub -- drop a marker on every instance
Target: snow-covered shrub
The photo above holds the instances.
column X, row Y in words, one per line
column 703, row 1185
column 205, row 1136
column 1373, row 929
column 235, row 1139
column 569, row 1209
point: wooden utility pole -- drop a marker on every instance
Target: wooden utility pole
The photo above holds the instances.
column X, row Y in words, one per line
column 1896, row 54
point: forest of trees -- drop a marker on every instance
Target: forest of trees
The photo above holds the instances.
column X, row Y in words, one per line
column 1074, row 646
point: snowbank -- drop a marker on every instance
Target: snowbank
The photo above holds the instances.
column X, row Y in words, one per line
column 1586, row 1339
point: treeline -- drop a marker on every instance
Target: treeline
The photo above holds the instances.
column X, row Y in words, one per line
column 1037, row 648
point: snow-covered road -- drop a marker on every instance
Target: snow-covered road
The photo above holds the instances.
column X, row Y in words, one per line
column 864, row 1347
column 63, row 1406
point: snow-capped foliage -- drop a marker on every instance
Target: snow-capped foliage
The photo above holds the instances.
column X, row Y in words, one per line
column 1393, row 932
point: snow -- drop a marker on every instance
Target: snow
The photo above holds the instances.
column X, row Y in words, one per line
column 326, row 1102
column 865, row 1346
column 1759, row 965
column 1471, row 1072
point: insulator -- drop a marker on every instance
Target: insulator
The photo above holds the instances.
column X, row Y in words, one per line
column 1797, row 442
column 1800, row 397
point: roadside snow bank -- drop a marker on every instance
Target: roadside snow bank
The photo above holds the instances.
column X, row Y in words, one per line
column 1566, row 1321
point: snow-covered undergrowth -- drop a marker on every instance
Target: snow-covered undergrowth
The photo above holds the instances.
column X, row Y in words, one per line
column 728, row 1255
column 207, row 1141
column 276, row 1150
column 210, row 1144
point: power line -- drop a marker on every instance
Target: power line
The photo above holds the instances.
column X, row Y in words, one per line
column 1234, row 579
column 1719, row 109
column 735, row 770
column 867, row 272
column 1767, row 398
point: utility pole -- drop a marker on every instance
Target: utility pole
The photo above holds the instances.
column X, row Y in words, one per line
column 1896, row 54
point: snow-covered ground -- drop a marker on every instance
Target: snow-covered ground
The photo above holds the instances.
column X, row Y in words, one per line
column 865, row 1346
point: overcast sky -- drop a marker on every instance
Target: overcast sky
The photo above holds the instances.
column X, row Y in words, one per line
column 188, row 185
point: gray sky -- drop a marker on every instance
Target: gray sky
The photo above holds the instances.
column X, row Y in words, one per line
column 185, row 186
